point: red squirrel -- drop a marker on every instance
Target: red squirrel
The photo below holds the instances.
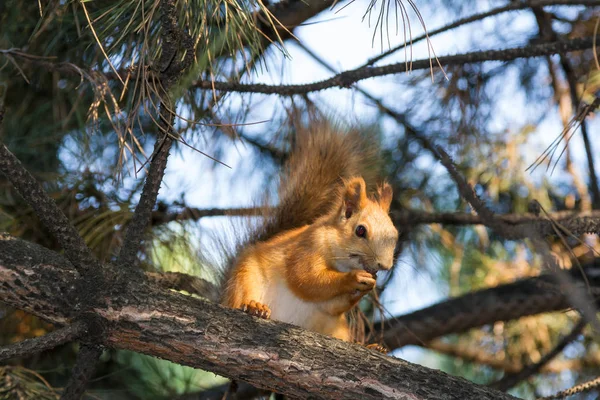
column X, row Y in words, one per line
column 320, row 249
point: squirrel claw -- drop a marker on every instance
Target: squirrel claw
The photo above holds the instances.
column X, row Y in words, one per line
column 257, row 309
column 377, row 347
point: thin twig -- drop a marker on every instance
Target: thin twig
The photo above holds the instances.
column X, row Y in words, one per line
column 49, row 341
column 511, row 380
column 347, row 78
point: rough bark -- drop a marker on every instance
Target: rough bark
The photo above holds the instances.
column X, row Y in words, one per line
column 200, row 334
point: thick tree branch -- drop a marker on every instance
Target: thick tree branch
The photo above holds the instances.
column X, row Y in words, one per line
column 347, row 78
column 49, row 341
column 200, row 334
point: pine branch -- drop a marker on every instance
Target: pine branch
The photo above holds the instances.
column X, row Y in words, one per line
column 49, row 341
column 569, row 222
column 347, row 78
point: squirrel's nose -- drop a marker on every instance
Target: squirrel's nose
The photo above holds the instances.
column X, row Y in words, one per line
column 383, row 267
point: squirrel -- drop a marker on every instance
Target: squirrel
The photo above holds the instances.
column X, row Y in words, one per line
column 318, row 252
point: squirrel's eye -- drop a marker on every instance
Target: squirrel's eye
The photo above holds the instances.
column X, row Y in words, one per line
column 361, row 231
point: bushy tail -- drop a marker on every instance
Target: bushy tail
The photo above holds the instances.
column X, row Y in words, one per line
column 321, row 156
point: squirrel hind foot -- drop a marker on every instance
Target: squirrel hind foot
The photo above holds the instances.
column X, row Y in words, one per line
column 257, row 309
column 377, row 347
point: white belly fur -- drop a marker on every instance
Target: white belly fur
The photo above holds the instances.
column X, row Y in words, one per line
column 287, row 307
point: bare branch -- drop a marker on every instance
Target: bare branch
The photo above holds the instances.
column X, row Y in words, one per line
column 49, row 341
column 347, row 78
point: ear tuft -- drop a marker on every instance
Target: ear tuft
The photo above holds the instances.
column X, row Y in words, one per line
column 355, row 195
column 385, row 193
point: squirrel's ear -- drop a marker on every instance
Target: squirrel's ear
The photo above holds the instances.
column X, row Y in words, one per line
column 355, row 195
column 385, row 193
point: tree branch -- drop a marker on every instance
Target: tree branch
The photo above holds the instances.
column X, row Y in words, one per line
column 502, row 303
column 48, row 212
column 84, row 369
column 512, row 6
column 347, row 78
column 191, row 284
column 194, row 214
column 170, row 71
column 190, row 331
column 581, row 388
column 49, row 341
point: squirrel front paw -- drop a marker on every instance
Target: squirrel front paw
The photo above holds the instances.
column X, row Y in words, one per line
column 361, row 281
column 257, row 309
column 377, row 347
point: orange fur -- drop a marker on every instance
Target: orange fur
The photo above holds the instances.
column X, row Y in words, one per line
column 312, row 275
